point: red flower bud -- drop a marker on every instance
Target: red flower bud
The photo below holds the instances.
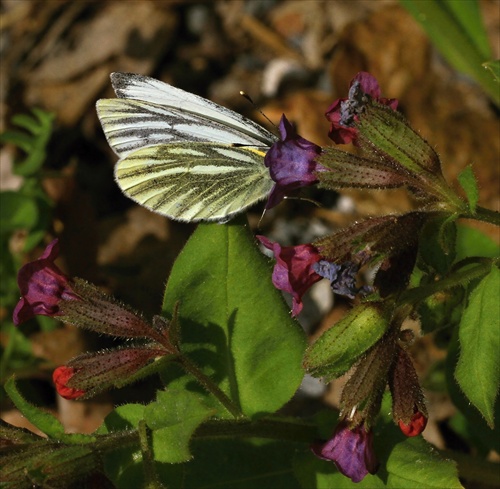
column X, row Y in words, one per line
column 416, row 426
column 61, row 376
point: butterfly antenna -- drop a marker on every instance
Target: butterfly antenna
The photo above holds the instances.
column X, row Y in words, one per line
column 305, row 199
column 245, row 95
column 261, row 217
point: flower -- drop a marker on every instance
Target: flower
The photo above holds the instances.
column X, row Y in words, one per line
column 293, row 272
column 342, row 277
column 61, row 377
column 344, row 112
column 351, row 450
column 43, row 286
column 291, row 163
column 408, row 404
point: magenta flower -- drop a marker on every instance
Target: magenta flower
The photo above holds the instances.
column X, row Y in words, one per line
column 43, row 286
column 291, row 163
column 293, row 272
column 344, row 112
column 351, row 450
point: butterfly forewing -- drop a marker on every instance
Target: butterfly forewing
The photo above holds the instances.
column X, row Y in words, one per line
column 149, row 112
column 194, row 181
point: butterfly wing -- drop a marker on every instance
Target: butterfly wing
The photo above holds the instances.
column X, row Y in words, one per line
column 194, row 181
column 150, row 112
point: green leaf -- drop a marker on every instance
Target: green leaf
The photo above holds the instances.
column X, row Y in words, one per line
column 468, row 182
column 40, row 127
column 478, row 368
column 488, row 437
column 472, row 242
column 234, row 323
column 235, row 464
column 173, row 419
column 44, row 421
column 339, row 347
column 413, row 463
column 494, row 67
column 17, row 211
column 457, row 31
column 124, row 465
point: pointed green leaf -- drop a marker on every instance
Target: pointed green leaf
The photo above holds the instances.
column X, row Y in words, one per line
column 472, row 242
column 44, row 421
column 478, row 368
column 468, row 182
column 233, row 321
column 457, row 31
column 339, row 347
column 173, row 419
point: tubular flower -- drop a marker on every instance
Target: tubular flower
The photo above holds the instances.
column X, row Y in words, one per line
column 345, row 112
column 408, row 403
column 291, row 163
column 43, row 286
column 351, row 450
column 294, row 270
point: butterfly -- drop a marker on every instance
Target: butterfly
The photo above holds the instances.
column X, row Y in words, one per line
column 181, row 155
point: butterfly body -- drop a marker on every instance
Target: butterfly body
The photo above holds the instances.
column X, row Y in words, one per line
column 181, row 155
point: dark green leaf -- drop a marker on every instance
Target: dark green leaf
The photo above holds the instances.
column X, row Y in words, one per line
column 233, row 321
column 478, row 368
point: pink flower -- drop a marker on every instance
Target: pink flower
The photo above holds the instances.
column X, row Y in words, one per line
column 291, row 163
column 293, row 272
column 351, row 450
column 43, row 286
column 345, row 112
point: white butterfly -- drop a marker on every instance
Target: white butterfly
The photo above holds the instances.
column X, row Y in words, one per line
column 181, row 155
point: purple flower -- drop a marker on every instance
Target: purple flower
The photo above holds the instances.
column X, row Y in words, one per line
column 293, row 272
column 43, row 286
column 344, row 112
column 351, row 450
column 291, row 163
column 342, row 277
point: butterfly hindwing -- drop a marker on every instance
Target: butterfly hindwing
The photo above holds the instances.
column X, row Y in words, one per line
column 194, row 181
column 181, row 155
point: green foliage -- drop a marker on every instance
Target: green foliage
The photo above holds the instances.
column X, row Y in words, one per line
column 468, row 182
column 233, row 321
column 478, row 368
column 458, row 32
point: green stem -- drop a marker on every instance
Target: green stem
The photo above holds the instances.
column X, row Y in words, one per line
column 272, row 428
column 486, row 215
column 210, row 386
column 461, row 277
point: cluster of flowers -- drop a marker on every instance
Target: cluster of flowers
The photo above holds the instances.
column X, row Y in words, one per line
column 293, row 162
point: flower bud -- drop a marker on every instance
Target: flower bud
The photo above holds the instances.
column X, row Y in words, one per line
column 408, row 404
